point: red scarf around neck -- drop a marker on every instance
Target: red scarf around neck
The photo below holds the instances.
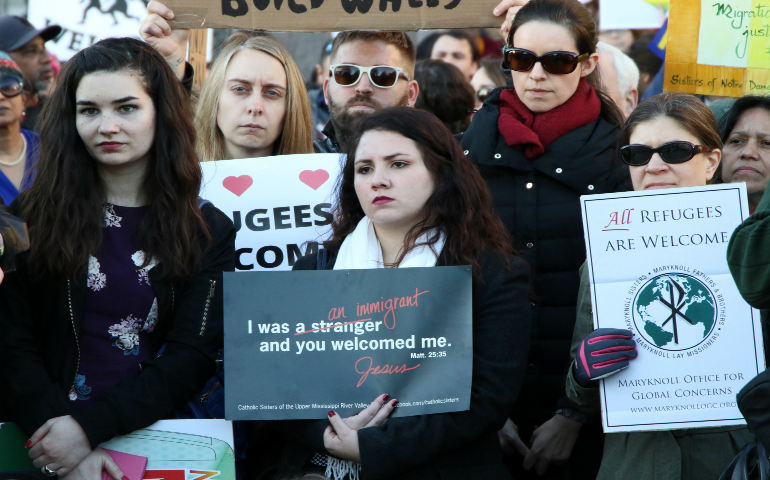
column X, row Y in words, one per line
column 534, row 133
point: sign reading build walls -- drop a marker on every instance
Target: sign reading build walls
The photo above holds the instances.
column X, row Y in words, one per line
column 718, row 47
column 298, row 344
column 281, row 206
column 333, row 15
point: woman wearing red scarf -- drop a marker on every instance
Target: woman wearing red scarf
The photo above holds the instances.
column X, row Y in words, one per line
column 540, row 146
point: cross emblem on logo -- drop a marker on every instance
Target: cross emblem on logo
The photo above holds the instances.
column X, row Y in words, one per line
column 675, row 305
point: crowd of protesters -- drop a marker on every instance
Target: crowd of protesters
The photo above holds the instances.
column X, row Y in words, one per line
column 112, row 318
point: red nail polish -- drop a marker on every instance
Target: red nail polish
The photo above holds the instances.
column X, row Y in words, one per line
column 29, row 442
column 331, row 413
column 385, row 397
column 395, row 402
column 124, row 478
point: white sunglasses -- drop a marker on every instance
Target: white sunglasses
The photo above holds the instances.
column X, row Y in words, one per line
column 382, row 76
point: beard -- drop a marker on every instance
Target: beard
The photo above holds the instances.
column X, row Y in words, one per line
column 344, row 119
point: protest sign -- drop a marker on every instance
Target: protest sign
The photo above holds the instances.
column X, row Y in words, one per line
column 631, row 14
column 334, row 15
column 85, row 22
column 657, row 264
column 276, row 203
column 167, row 450
column 718, row 48
column 298, row 344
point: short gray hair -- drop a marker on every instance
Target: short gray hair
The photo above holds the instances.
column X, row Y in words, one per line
column 628, row 72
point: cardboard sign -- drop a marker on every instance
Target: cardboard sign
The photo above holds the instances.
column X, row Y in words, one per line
column 631, row 14
column 166, row 450
column 298, row 344
column 280, row 205
column 718, row 48
column 699, row 342
column 334, row 15
column 85, row 22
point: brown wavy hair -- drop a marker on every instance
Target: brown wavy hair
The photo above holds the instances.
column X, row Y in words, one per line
column 460, row 206
column 64, row 208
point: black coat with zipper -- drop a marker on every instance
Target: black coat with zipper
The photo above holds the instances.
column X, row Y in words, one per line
column 41, row 325
column 539, row 202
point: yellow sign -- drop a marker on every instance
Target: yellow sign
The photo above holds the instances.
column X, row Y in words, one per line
column 718, row 48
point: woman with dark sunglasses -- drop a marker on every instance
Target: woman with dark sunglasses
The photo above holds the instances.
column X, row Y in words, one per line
column 540, row 146
column 18, row 147
column 670, row 140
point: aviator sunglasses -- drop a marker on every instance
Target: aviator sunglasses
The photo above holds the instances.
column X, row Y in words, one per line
column 382, row 76
column 11, row 85
column 557, row 63
column 671, row 152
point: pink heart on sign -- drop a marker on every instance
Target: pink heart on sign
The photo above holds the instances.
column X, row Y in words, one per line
column 238, row 185
column 314, row 179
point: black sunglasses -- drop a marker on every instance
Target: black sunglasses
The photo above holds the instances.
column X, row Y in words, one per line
column 671, row 152
column 11, row 85
column 482, row 93
column 557, row 63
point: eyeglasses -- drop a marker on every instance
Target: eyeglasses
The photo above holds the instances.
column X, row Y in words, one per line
column 11, row 85
column 671, row 152
column 483, row 93
column 557, row 63
column 382, row 76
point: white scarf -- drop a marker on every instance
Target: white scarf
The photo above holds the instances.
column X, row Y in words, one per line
column 361, row 250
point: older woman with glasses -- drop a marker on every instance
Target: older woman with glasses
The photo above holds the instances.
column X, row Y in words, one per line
column 671, row 140
column 540, row 146
column 18, row 147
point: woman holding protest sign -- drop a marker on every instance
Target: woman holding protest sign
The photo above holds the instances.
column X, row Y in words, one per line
column 123, row 259
column 671, row 140
column 254, row 102
column 540, row 146
column 408, row 197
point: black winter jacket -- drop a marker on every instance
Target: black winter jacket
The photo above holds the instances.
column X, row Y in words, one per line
column 42, row 321
column 449, row 446
column 539, row 201
column 328, row 144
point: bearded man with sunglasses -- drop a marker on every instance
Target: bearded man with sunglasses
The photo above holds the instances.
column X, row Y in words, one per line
column 369, row 71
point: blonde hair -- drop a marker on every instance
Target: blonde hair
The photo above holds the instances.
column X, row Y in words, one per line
column 297, row 134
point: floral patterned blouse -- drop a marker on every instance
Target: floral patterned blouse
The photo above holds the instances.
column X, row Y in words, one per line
column 120, row 311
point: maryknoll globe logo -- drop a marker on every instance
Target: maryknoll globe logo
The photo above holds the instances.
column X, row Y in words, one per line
column 674, row 311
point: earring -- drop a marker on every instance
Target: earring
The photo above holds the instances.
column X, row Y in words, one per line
column 23, row 115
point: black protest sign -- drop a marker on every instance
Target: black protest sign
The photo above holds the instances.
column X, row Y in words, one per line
column 333, row 15
column 298, row 344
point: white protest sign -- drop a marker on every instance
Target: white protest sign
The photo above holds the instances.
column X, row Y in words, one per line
column 630, row 14
column 276, row 203
column 657, row 264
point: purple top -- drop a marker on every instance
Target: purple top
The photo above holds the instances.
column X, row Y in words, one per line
column 121, row 310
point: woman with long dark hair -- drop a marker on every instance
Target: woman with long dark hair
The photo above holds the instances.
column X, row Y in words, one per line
column 408, row 197
column 123, row 260
column 540, row 146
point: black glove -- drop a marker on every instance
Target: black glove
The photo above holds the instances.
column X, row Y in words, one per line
column 604, row 352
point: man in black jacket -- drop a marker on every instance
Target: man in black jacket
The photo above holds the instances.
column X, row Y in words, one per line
column 352, row 92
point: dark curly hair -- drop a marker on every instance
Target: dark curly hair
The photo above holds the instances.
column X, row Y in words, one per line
column 446, row 93
column 460, row 205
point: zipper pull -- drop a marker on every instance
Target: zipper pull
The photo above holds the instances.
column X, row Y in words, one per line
column 211, row 291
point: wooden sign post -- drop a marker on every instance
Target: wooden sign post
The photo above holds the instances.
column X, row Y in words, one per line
column 718, row 48
column 197, row 55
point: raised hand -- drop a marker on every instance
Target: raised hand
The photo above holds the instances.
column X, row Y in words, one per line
column 171, row 44
column 509, row 8
column 603, row 352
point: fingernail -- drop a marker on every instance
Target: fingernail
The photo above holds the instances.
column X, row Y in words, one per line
column 124, row 478
column 385, row 397
column 495, row 12
column 395, row 402
column 331, row 413
column 29, row 442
